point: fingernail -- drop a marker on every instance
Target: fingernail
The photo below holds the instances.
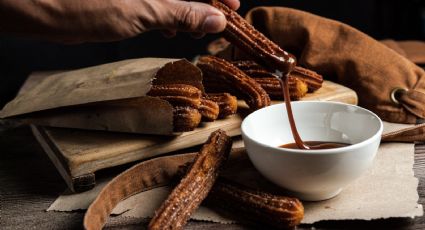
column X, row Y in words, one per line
column 214, row 24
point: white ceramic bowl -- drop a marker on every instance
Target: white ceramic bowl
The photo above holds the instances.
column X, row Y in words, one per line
column 312, row 174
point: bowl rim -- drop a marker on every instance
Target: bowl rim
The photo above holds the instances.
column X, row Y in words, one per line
column 316, row 151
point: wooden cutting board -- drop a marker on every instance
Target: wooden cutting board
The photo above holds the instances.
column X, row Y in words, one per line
column 78, row 154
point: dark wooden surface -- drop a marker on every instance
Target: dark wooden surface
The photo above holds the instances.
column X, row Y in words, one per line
column 29, row 183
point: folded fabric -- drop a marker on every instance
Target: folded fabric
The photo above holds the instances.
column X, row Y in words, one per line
column 386, row 82
column 412, row 50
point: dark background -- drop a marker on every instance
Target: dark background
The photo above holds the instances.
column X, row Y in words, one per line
column 400, row 20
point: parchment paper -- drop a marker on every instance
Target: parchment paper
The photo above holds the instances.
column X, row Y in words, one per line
column 106, row 97
column 387, row 189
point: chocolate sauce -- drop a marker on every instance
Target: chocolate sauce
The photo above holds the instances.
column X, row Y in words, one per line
column 316, row 145
column 283, row 61
column 295, row 134
column 283, row 79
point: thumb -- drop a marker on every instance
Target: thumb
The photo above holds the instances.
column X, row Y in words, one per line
column 194, row 17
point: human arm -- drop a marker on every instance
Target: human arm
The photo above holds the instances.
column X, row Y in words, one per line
column 77, row 21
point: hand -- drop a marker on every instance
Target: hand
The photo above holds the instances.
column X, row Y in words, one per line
column 204, row 19
column 76, row 21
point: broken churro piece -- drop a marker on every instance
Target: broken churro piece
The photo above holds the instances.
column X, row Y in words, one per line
column 278, row 211
column 297, row 88
column 209, row 109
column 185, row 118
column 227, row 103
column 195, row 185
column 177, row 94
column 313, row 80
column 223, row 72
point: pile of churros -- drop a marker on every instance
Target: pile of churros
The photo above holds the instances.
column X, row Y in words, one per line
column 253, row 81
column 191, row 106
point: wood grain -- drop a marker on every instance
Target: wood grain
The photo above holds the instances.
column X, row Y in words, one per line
column 81, row 152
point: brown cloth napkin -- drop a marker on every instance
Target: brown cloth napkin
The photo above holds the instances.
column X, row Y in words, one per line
column 412, row 50
column 342, row 53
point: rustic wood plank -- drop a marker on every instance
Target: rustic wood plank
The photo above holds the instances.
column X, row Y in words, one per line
column 89, row 151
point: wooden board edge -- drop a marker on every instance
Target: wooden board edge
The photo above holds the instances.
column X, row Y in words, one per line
column 75, row 184
column 86, row 167
column 83, row 183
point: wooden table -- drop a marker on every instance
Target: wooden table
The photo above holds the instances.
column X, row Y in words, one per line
column 29, row 183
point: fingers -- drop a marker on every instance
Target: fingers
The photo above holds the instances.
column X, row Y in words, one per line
column 195, row 17
column 191, row 17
